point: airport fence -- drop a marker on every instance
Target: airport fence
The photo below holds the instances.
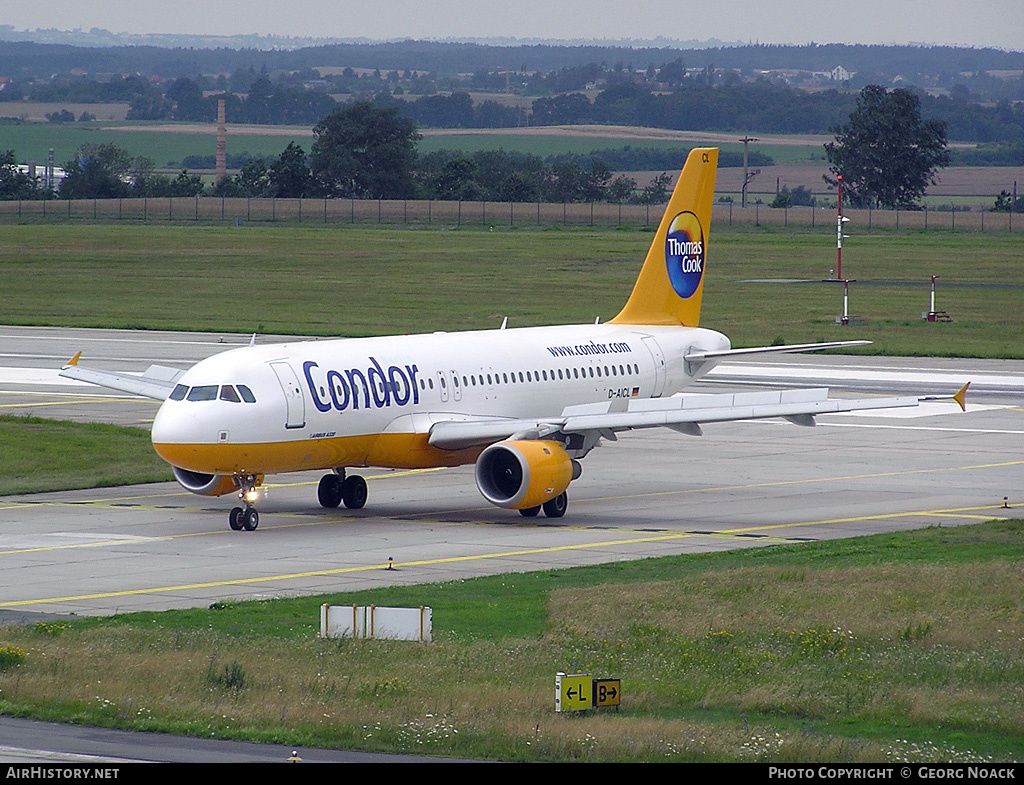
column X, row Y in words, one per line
column 367, row 212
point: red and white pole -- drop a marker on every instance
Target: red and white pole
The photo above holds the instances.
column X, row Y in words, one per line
column 839, row 231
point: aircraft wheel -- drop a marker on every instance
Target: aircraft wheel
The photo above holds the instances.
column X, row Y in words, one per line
column 250, row 519
column 235, row 518
column 353, row 492
column 529, row 512
column 555, row 508
column 328, row 493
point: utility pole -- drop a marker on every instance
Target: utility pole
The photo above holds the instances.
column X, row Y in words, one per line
column 747, row 177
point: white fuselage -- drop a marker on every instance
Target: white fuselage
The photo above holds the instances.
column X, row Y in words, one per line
column 372, row 401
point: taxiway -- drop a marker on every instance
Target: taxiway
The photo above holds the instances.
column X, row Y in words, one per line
column 650, row 494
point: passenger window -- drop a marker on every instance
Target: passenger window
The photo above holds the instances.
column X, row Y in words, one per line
column 205, row 393
column 227, row 393
column 178, row 393
column 246, row 394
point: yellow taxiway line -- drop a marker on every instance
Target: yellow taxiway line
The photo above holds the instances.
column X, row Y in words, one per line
column 963, row 512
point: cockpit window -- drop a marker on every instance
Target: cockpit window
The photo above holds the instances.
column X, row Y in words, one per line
column 178, row 393
column 227, row 393
column 246, row 394
column 204, row 393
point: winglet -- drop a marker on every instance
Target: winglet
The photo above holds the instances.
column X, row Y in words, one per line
column 961, row 397
column 74, row 360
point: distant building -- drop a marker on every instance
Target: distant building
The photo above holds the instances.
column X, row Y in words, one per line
column 840, row 74
column 53, row 180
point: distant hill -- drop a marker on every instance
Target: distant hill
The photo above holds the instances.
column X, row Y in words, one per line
column 924, row 66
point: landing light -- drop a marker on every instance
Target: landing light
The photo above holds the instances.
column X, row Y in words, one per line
column 252, row 496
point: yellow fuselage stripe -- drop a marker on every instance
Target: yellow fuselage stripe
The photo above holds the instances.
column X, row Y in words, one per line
column 386, row 450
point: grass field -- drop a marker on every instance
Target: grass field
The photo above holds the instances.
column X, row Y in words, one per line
column 32, row 141
column 891, row 648
column 164, row 142
column 39, row 455
column 358, row 281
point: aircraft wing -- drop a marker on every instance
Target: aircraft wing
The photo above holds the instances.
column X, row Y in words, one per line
column 156, row 383
column 682, row 413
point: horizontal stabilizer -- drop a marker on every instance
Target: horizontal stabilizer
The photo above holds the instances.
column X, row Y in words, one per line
column 698, row 357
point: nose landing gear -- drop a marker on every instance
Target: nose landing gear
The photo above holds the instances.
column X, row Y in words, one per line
column 246, row 518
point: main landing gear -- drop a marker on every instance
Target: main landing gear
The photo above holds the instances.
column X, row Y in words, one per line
column 246, row 518
column 337, row 488
column 553, row 508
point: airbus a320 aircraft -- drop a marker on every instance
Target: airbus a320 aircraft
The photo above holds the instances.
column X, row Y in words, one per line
column 526, row 405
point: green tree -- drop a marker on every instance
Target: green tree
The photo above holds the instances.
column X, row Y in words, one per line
column 621, row 189
column 674, row 73
column 99, row 171
column 455, row 180
column 885, row 152
column 1004, row 203
column 656, row 192
column 189, row 103
column 798, row 197
column 290, row 178
column 254, row 179
column 365, row 151
column 595, row 181
column 15, row 184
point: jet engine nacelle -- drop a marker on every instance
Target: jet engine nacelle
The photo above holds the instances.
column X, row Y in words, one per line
column 204, row 484
column 521, row 474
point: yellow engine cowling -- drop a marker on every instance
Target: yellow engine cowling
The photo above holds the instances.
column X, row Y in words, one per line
column 207, row 484
column 521, row 474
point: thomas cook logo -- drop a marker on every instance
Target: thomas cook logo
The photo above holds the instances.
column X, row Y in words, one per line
column 684, row 254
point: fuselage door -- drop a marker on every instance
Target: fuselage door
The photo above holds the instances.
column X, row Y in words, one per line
column 296, row 417
column 442, row 385
column 659, row 365
column 456, row 386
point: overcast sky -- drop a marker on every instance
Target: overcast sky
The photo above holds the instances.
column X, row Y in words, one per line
column 997, row 23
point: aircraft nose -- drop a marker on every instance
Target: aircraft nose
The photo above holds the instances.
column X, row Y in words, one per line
column 162, row 425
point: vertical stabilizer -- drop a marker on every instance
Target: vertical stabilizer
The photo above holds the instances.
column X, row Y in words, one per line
column 671, row 281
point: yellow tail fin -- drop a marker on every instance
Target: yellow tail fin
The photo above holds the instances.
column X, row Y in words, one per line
column 671, row 281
